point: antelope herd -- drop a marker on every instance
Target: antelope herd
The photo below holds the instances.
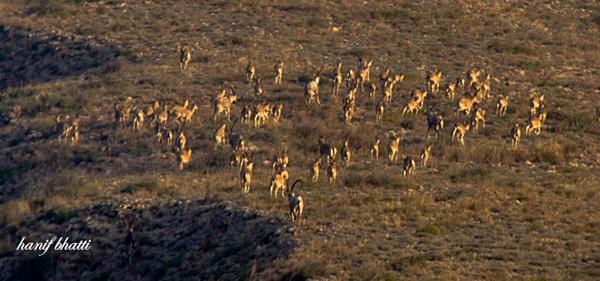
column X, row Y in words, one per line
column 468, row 93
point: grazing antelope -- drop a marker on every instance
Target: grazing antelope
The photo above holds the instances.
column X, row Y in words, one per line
column 433, row 81
column 466, row 103
column 394, row 147
column 345, row 153
column 332, row 172
column 337, row 80
column 223, row 103
column 311, row 89
column 375, row 149
column 258, row 88
column 326, row 150
column 246, row 175
column 250, row 71
column 181, row 142
column 296, row 203
column 364, row 72
column 460, row 130
column 380, row 110
column 425, row 155
column 535, row 124
column 185, row 56
column 502, row 105
column 278, row 69
column 314, row 169
column 138, row 121
column 279, row 181
column 184, row 158
column 515, row 134
column 409, row 167
column 220, row 137
column 478, row 116
column 435, row 122
column 536, row 104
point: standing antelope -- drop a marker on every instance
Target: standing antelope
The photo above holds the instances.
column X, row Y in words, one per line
column 258, row 88
column 185, row 56
column 460, row 130
column 220, row 137
column 325, row 149
column 425, row 155
column 435, row 122
column 345, row 153
column 535, row 124
column 184, row 158
column 337, row 80
column 279, row 181
column 250, row 71
column 409, row 166
column 388, row 86
column 296, row 203
column 502, row 105
column 375, row 149
column 223, row 103
column 536, row 104
column 181, row 142
column 278, row 69
column 466, row 103
column 380, row 110
column 151, row 110
column 311, row 89
column 138, row 121
column 433, row 80
column 372, row 91
column 332, row 171
column 246, row 175
column 478, row 116
column 515, row 134
column 394, row 147
column 314, row 169
column 364, row 72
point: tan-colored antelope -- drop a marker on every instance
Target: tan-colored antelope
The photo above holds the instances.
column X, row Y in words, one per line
column 409, row 167
column 332, row 172
column 122, row 111
column 246, row 114
column 337, row 80
column 425, row 155
column 278, row 69
column 185, row 116
column 277, row 112
column 220, row 137
column 163, row 116
column 515, row 134
column 351, row 79
column 375, row 149
column 184, row 157
column 346, row 153
column 314, row 169
column 223, row 103
column 237, row 158
column 394, row 147
column 138, row 121
column 181, row 142
column 74, row 134
column 502, row 105
column 435, row 122
column 536, row 104
column 246, row 175
column 250, row 72
column 433, row 81
column 535, row 124
column 279, row 181
column 478, row 116
column 311, row 89
column 151, row 109
column 185, row 56
column 451, row 91
column 466, row 104
column 372, row 91
column 179, row 108
column 258, row 88
column 473, row 77
column 412, row 106
column 364, row 71
column 388, row 87
column 380, row 110
column 349, row 110
column 63, row 128
column 261, row 114
column 460, row 130
column 326, row 150
column 296, row 204
column 486, row 86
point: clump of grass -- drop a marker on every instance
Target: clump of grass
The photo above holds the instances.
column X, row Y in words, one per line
column 548, row 152
column 401, row 263
column 14, row 211
column 433, row 229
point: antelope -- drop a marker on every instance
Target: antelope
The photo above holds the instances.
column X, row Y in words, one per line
column 364, row 72
column 380, row 110
column 409, row 166
column 181, row 142
column 332, row 172
column 478, row 116
column 351, row 79
column 460, row 130
column 277, row 112
column 502, row 105
column 15, row 113
column 486, row 86
column 185, row 56
column 515, row 134
column 349, row 110
column 337, row 80
column 250, row 71
column 163, row 116
column 345, row 153
column 535, row 124
column 151, row 110
column 223, row 103
column 262, row 112
column 63, row 128
column 433, row 80
column 435, row 122
column 279, row 181
column 278, row 69
column 184, row 158
column 74, row 136
column 237, row 158
column 536, row 104
column 122, row 112
column 473, row 77
column 372, row 91
column 296, row 203
column 325, row 149
column 184, row 116
column 246, row 114
column 393, row 148
column 425, row 155
column 451, row 91
column 138, row 121
column 258, row 88
column 220, row 137
column 246, row 175
column 311, row 90
column 375, row 149
column 388, row 87
column 412, row 106
column 314, row 169
column 466, row 103
column 460, row 82
column 180, row 108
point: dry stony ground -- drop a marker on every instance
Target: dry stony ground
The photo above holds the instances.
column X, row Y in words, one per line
column 482, row 212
